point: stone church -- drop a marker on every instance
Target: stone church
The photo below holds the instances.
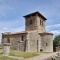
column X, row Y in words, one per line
column 34, row 38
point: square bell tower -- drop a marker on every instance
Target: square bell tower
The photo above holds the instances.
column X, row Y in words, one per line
column 35, row 21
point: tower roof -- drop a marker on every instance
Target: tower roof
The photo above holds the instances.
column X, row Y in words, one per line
column 32, row 14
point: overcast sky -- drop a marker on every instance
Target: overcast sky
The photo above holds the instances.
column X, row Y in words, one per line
column 12, row 12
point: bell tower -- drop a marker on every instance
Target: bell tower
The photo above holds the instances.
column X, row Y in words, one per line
column 35, row 21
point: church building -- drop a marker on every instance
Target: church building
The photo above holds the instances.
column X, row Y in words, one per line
column 34, row 38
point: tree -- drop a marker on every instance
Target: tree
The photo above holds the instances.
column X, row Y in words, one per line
column 56, row 42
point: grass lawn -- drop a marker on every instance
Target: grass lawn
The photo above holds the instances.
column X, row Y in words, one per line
column 19, row 54
column 6, row 58
column 1, row 51
column 23, row 54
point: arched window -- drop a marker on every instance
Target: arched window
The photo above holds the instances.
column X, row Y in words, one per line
column 8, row 40
column 42, row 23
column 30, row 22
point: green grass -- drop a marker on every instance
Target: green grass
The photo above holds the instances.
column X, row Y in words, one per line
column 23, row 54
column 6, row 58
column 1, row 51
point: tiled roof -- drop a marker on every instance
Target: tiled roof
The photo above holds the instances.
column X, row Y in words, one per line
column 9, row 33
column 45, row 33
column 32, row 14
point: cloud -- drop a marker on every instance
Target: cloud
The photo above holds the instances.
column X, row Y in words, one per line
column 13, row 30
column 55, row 29
column 55, row 32
column 12, row 23
column 15, row 25
column 4, row 8
column 50, row 9
column 55, row 25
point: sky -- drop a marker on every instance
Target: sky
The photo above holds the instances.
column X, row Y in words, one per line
column 12, row 12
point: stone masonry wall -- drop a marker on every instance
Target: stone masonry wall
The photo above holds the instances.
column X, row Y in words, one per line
column 35, row 24
column 33, row 45
column 47, row 43
column 40, row 28
column 29, row 26
column 15, row 41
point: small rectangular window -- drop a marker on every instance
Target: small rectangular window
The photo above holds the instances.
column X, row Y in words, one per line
column 22, row 38
column 40, row 22
column 46, row 44
column 8, row 40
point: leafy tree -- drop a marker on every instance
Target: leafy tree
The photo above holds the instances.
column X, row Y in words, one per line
column 56, row 42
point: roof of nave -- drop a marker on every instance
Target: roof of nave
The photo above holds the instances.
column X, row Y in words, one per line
column 16, row 33
column 46, row 33
column 32, row 14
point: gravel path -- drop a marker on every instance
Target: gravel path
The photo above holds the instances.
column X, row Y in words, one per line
column 43, row 56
